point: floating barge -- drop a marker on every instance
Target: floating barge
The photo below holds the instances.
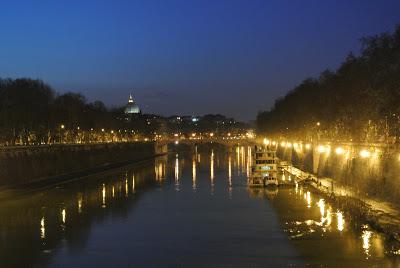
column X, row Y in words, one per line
column 264, row 171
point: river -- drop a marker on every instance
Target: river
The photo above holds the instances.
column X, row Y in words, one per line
column 187, row 209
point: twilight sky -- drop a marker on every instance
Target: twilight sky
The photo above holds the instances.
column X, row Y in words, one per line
column 184, row 57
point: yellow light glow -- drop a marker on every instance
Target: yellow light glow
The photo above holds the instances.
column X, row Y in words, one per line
column 103, row 193
column 42, row 229
column 289, row 145
column 212, row 167
column 283, row 144
column 273, row 143
column 308, row 146
column 63, row 215
column 80, row 204
column 321, row 149
column 194, row 175
column 365, row 154
column 321, row 205
column 366, row 236
column 340, row 221
column 339, row 150
column 62, row 126
column 211, row 134
column 295, row 145
column 266, row 141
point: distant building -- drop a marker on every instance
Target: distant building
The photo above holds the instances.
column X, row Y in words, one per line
column 132, row 108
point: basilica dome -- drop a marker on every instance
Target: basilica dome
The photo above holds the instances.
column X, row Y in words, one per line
column 132, row 107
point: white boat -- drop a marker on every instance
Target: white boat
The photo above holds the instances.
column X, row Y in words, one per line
column 264, row 169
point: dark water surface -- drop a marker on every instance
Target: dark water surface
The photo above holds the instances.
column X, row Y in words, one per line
column 184, row 210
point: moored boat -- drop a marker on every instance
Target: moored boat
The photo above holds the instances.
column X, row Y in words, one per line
column 264, row 168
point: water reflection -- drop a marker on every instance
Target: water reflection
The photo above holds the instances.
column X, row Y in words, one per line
column 366, row 236
column 80, row 201
column 103, row 193
column 133, row 182
column 194, row 186
column 317, row 229
column 308, row 225
column 212, row 171
column 340, row 221
column 42, row 229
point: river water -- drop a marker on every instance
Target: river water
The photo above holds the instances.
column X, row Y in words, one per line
column 188, row 209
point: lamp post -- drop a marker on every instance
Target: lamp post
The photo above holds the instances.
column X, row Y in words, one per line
column 61, row 133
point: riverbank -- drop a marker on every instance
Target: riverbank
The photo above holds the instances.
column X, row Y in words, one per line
column 38, row 166
column 382, row 216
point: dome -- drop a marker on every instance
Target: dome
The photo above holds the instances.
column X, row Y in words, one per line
column 132, row 107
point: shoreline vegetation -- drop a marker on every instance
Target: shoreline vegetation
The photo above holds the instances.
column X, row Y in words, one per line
column 358, row 102
column 32, row 113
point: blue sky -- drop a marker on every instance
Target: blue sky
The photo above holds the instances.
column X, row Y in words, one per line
column 184, row 57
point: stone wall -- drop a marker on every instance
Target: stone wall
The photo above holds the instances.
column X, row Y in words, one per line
column 21, row 165
column 377, row 175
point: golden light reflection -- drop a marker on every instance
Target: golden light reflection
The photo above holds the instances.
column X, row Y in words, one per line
column 113, row 191
column 308, row 199
column 80, row 204
column 103, row 192
column 133, row 182
column 230, row 176
column 42, row 229
column 126, row 187
column 159, row 170
column 229, row 167
column 176, row 169
column 366, row 237
column 63, row 215
column 340, row 221
column 212, row 171
column 194, row 175
column 242, row 156
column 237, row 160
column 212, row 165
column 328, row 217
column 321, row 205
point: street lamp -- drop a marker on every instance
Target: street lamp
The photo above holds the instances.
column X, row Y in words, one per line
column 61, row 128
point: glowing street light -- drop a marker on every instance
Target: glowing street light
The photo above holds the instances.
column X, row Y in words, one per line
column 365, row 154
column 339, row 150
column 321, row 149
